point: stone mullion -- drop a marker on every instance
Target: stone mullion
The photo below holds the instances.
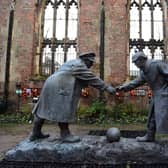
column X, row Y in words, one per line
column 53, row 48
column 152, row 28
column 66, row 30
column 140, row 19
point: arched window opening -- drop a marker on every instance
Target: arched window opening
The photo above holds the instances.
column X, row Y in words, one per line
column 59, row 34
column 146, row 30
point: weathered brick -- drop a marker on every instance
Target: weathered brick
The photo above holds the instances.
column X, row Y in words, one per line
column 115, row 35
column 26, row 32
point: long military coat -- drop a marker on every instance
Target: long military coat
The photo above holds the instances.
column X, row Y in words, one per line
column 61, row 91
column 156, row 75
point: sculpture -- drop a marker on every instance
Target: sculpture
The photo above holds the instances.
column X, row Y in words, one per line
column 113, row 134
column 60, row 95
column 155, row 73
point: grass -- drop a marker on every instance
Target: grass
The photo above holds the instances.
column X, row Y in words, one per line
column 16, row 128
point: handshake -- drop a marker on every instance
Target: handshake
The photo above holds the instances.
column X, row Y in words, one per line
column 113, row 90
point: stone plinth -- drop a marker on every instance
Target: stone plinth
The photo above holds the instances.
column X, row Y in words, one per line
column 92, row 149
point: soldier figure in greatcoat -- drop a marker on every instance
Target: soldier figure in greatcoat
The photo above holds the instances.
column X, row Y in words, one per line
column 155, row 73
column 60, row 95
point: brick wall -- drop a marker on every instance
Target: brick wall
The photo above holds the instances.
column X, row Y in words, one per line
column 25, row 29
column 23, row 46
column 116, row 35
column 89, row 37
column 23, row 41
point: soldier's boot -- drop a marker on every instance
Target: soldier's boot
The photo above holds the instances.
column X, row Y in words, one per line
column 149, row 137
column 66, row 135
column 36, row 132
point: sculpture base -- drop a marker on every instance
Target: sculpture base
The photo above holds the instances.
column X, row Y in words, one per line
column 91, row 150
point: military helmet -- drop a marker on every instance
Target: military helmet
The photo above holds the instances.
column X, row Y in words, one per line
column 88, row 56
column 138, row 55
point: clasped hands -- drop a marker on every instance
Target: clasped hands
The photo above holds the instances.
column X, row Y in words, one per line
column 113, row 90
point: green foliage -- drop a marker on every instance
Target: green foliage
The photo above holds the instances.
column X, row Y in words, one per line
column 38, row 77
column 23, row 116
column 95, row 113
column 129, row 113
column 99, row 112
column 26, row 108
column 14, row 118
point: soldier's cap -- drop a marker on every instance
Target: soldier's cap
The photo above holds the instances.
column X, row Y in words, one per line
column 138, row 55
column 88, row 56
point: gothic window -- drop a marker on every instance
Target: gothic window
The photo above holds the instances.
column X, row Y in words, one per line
column 146, row 30
column 59, row 34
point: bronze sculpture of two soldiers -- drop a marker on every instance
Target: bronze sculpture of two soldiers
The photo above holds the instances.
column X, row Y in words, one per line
column 61, row 92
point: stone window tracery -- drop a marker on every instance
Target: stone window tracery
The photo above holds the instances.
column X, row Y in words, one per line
column 146, row 30
column 59, row 34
